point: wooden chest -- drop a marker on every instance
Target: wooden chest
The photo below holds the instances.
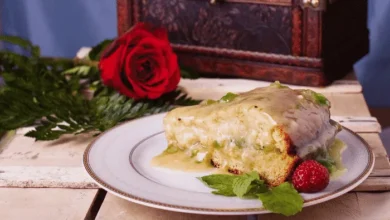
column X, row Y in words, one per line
column 302, row 42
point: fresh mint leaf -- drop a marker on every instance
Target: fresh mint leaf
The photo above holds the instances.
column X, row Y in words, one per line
column 223, row 183
column 256, row 187
column 283, row 199
column 243, row 184
column 224, row 190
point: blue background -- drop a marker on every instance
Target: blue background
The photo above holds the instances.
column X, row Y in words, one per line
column 61, row 27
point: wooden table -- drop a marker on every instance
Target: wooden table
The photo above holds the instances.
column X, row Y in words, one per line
column 46, row 180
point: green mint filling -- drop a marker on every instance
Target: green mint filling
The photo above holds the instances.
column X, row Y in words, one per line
column 277, row 84
column 269, row 148
column 323, row 157
column 329, row 164
column 228, row 97
column 320, row 99
column 210, row 102
column 216, row 144
column 194, row 153
column 283, row 199
column 239, row 142
column 171, row 149
column 258, row 147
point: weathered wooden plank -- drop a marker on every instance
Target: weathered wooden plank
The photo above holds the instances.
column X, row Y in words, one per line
column 381, row 163
column 25, row 162
column 45, row 204
column 348, row 105
column 349, row 206
column 25, row 151
column 359, row 124
column 375, row 144
column 374, row 205
column 352, row 206
column 380, row 173
column 119, row 209
column 374, row 184
column 45, row 177
column 345, row 207
column 203, row 87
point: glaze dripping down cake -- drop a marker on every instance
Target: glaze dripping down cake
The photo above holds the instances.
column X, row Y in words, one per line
column 267, row 130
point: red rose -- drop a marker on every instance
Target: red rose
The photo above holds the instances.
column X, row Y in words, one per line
column 140, row 63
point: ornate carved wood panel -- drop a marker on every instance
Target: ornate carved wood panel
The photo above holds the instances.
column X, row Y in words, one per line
column 254, row 70
column 312, row 33
column 259, row 39
column 229, row 25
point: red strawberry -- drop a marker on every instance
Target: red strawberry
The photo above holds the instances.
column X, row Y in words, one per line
column 310, row 176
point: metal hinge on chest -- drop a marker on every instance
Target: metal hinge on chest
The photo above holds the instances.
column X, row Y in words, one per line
column 319, row 5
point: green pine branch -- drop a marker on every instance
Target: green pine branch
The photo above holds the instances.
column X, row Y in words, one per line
column 50, row 95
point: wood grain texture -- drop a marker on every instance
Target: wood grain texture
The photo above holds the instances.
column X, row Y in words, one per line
column 374, row 184
column 312, row 25
column 223, row 67
column 45, row 177
column 189, row 51
column 351, row 206
column 45, row 204
column 199, row 47
column 203, row 88
column 348, row 104
column 25, row 151
column 249, row 28
column 296, row 48
column 359, row 124
column 341, row 208
column 123, row 16
column 375, row 144
column 267, row 2
column 27, row 163
column 374, row 206
column 116, row 208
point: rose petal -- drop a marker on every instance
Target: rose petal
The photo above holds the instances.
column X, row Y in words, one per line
column 111, row 65
column 153, row 56
column 141, row 92
column 174, row 70
column 121, row 88
column 143, row 89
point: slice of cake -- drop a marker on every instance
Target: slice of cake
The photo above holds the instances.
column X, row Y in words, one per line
column 265, row 130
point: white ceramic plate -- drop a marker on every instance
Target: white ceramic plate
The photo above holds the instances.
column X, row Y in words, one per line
column 119, row 161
